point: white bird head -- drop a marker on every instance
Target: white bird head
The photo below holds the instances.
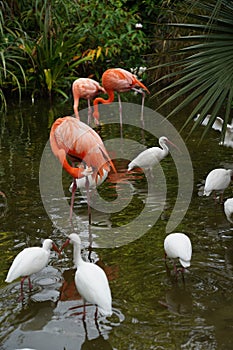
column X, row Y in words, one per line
column 48, row 244
column 163, row 140
column 73, row 238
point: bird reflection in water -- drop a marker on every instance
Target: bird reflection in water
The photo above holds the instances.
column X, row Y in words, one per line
column 97, row 343
column 178, row 300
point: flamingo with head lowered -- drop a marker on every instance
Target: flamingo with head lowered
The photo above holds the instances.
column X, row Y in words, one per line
column 119, row 80
column 87, row 89
column 73, row 140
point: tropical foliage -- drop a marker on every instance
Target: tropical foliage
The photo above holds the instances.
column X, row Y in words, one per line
column 203, row 70
column 46, row 44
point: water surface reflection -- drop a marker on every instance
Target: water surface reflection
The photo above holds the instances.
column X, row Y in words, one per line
column 151, row 310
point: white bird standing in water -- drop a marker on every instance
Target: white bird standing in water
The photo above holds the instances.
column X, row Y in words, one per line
column 81, row 183
column 217, row 181
column 29, row 261
column 178, row 245
column 90, row 280
column 228, row 209
column 151, row 156
column 218, row 125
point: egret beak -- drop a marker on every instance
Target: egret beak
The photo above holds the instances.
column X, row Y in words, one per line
column 65, row 244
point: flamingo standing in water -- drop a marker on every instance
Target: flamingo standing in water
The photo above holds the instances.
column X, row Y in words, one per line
column 88, row 89
column 29, row 261
column 70, row 138
column 119, row 80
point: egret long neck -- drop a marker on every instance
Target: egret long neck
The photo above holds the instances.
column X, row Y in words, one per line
column 77, row 255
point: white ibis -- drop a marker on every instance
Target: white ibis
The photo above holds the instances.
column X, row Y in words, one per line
column 217, row 181
column 90, row 280
column 228, row 209
column 93, row 183
column 30, row 260
column 152, row 156
column 219, row 125
column 178, row 246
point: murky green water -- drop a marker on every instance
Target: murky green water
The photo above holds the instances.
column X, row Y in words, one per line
column 151, row 309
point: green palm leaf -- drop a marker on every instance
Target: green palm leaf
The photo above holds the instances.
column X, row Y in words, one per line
column 204, row 67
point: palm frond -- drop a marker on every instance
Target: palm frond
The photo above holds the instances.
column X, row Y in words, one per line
column 205, row 75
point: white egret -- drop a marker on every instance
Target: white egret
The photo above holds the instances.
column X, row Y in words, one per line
column 90, row 280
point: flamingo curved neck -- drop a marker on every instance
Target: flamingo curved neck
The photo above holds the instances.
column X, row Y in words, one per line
column 61, row 155
column 102, row 100
column 74, row 172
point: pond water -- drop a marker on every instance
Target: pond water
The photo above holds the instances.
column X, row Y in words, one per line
column 131, row 215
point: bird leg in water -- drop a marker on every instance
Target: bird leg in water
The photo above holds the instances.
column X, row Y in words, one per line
column 74, row 187
column 175, row 269
column 87, row 184
column 30, row 284
column 21, row 286
column 143, row 100
column 96, row 313
column 84, row 310
column 221, row 198
column 120, row 109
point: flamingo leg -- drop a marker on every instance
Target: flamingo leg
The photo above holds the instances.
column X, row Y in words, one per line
column 143, row 100
column 75, row 107
column 88, row 199
column 142, row 109
column 89, row 112
column 120, row 109
column 74, row 187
